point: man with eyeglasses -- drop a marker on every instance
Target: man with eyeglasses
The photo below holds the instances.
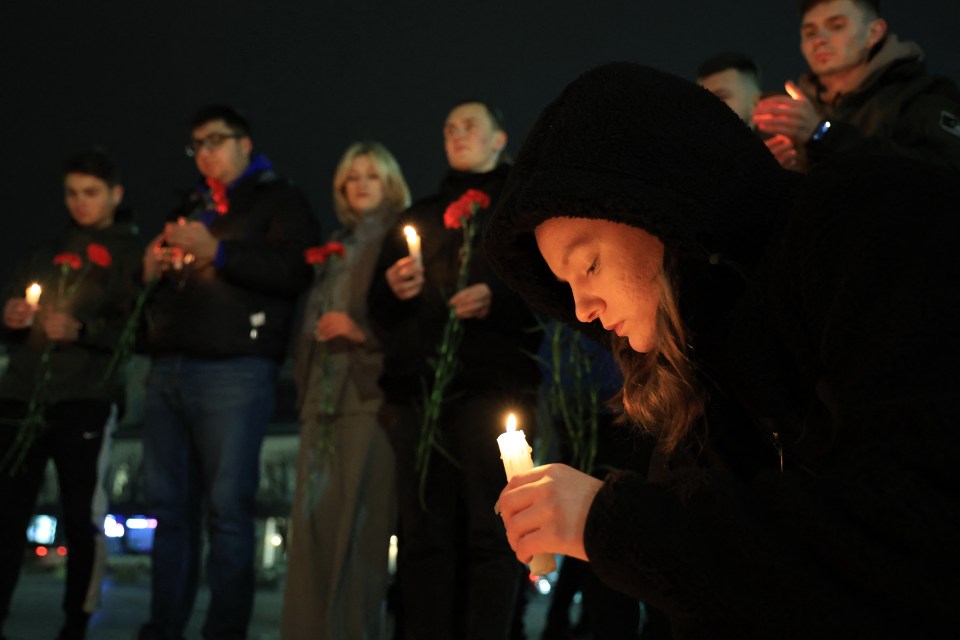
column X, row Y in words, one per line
column 227, row 270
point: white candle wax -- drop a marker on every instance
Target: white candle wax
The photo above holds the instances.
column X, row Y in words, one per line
column 33, row 295
column 515, row 453
column 413, row 244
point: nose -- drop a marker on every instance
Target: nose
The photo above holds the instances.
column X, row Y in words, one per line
column 588, row 307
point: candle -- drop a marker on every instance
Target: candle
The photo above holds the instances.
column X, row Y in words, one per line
column 33, row 299
column 515, row 453
column 793, row 91
column 33, row 295
column 413, row 244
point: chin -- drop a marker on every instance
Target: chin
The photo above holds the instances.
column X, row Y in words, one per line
column 639, row 345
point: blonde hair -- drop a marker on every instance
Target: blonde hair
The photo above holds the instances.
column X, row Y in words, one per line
column 396, row 193
column 660, row 388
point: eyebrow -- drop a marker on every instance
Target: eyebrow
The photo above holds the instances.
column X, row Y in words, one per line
column 578, row 241
column 825, row 20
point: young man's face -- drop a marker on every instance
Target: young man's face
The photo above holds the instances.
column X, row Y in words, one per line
column 220, row 153
column 91, row 201
column 735, row 88
column 471, row 142
column 836, row 36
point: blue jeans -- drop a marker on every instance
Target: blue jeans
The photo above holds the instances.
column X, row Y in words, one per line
column 204, row 424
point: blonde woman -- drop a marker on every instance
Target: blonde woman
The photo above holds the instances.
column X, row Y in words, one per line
column 343, row 512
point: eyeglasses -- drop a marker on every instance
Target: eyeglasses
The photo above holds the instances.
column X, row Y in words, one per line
column 210, row 142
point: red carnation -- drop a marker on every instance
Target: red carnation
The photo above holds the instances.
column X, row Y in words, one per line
column 98, row 255
column 474, row 195
column 72, row 260
column 464, row 207
column 315, row 255
column 319, row 255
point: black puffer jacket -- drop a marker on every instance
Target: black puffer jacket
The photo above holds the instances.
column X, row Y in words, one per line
column 245, row 306
column 899, row 109
column 102, row 302
column 497, row 352
column 824, row 310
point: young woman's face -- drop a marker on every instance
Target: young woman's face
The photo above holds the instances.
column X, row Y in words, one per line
column 364, row 187
column 612, row 270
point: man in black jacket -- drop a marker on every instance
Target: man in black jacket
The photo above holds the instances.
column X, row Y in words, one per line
column 59, row 380
column 453, row 553
column 866, row 91
column 228, row 269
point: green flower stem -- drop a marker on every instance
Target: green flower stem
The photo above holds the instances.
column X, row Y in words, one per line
column 323, row 443
column 128, row 336
column 576, row 408
column 446, row 366
column 34, row 422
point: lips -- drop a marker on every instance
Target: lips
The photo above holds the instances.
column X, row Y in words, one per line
column 616, row 328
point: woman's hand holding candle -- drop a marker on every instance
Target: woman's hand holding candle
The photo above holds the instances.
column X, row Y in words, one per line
column 545, row 510
column 516, row 455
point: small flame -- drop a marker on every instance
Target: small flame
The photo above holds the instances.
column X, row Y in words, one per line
column 34, row 289
column 410, row 232
column 793, row 91
column 511, row 423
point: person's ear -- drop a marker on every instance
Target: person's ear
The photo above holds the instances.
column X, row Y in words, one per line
column 116, row 193
column 876, row 31
column 499, row 140
column 247, row 145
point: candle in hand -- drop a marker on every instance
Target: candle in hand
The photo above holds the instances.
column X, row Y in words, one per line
column 515, row 453
column 413, row 244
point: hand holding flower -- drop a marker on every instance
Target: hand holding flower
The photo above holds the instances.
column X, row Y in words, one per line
column 472, row 302
column 337, row 324
column 17, row 313
column 61, row 327
column 405, row 277
column 545, row 511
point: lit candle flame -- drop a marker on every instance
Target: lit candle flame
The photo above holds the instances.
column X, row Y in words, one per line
column 793, row 91
column 410, row 232
column 511, row 422
column 33, row 294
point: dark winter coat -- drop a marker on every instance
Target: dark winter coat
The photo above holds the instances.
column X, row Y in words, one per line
column 102, row 302
column 497, row 352
column 244, row 306
column 899, row 109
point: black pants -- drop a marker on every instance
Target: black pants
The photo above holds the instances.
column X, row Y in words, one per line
column 77, row 440
column 457, row 575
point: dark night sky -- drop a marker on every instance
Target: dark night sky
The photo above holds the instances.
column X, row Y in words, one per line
column 315, row 75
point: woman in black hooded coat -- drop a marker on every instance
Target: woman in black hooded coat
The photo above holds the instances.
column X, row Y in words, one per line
column 799, row 366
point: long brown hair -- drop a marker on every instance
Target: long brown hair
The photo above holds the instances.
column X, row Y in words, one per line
column 660, row 388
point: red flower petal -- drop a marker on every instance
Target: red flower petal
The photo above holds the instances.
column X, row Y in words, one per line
column 99, row 255
column 72, row 260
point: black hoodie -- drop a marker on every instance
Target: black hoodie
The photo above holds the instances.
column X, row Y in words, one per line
column 824, row 309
